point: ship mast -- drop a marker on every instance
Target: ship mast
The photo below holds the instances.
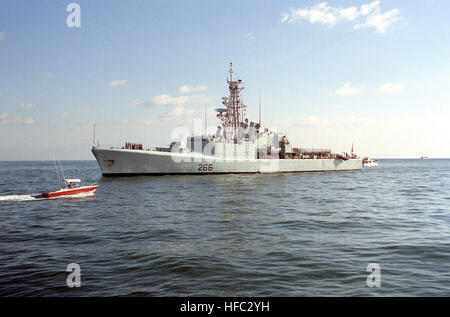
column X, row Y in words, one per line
column 260, row 107
column 232, row 117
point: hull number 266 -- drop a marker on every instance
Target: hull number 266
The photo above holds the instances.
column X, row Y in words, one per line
column 205, row 167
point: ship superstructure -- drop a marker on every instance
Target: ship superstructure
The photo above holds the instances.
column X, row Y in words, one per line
column 238, row 146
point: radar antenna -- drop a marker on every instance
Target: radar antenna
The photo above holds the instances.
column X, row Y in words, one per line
column 232, row 117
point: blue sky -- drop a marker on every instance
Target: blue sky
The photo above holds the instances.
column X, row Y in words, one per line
column 373, row 73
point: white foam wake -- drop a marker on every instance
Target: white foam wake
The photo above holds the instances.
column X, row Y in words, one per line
column 31, row 197
column 17, row 198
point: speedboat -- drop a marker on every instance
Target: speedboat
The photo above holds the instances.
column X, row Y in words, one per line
column 368, row 162
column 71, row 187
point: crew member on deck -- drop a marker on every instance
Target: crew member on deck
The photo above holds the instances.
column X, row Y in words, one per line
column 282, row 148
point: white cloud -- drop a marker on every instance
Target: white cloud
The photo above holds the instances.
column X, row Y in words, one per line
column 4, row 117
column 65, row 115
column 177, row 111
column 380, row 21
column 139, row 122
column 117, row 82
column 27, row 105
column 390, row 88
column 301, row 121
column 47, row 75
column 185, row 89
column 27, row 121
column 1, row 94
column 124, row 121
column 346, row 90
column 323, row 14
column 173, row 117
column 249, row 36
column 168, row 100
column 2, row 35
column 163, row 100
column 179, row 115
column 372, row 135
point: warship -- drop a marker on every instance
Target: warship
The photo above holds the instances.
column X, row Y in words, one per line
column 238, row 146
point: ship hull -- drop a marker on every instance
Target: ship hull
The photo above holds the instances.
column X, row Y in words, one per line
column 123, row 162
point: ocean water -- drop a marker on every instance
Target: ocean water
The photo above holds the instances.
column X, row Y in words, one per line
column 228, row 235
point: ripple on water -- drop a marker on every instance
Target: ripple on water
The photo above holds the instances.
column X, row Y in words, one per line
column 229, row 235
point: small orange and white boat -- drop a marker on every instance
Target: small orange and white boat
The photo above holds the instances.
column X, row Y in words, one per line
column 71, row 188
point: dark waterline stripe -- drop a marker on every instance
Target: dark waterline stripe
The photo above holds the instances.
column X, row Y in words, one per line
column 221, row 173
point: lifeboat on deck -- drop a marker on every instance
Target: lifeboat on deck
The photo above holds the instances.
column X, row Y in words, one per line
column 342, row 157
column 71, row 187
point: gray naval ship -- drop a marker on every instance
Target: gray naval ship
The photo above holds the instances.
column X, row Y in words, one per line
column 238, row 146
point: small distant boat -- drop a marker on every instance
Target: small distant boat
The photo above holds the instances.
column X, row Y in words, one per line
column 424, row 158
column 368, row 162
column 71, row 188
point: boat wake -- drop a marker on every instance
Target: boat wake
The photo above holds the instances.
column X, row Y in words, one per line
column 17, row 198
column 37, row 197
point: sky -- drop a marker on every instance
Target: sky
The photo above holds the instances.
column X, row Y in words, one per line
column 375, row 74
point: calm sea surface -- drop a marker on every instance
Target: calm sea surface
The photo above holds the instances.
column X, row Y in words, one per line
column 228, row 235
